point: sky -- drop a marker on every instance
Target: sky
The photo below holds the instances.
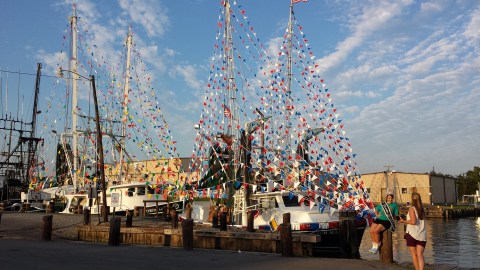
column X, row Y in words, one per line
column 404, row 75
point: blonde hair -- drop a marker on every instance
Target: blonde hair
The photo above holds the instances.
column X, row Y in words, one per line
column 417, row 203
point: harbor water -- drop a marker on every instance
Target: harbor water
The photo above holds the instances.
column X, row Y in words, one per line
column 449, row 242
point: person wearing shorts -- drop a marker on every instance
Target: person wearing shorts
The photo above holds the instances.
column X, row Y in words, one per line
column 415, row 233
column 382, row 222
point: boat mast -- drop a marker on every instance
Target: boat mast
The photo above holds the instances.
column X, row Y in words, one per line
column 31, row 153
column 231, row 89
column 125, row 101
column 74, row 65
column 229, row 61
column 288, row 92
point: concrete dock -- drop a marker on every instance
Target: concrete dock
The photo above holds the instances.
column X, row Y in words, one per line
column 21, row 247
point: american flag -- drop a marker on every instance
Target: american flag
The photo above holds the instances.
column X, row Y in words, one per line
column 227, row 112
column 297, row 1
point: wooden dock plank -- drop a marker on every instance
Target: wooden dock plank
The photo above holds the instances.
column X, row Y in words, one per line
column 268, row 242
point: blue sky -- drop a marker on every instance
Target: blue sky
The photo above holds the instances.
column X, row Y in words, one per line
column 404, row 75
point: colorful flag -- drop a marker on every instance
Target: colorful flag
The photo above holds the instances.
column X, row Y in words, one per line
column 297, row 1
column 227, row 112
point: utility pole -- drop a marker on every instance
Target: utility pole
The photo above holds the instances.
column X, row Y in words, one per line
column 387, row 172
column 100, row 152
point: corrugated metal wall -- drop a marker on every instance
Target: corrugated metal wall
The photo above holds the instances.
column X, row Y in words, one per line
column 436, row 189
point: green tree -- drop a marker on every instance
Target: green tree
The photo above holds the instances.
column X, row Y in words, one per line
column 468, row 182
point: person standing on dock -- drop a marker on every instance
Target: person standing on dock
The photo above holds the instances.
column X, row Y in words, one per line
column 386, row 213
column 415, row 234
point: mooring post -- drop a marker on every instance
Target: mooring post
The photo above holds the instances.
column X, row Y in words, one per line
column 129, row 221
column 47, row 227
column 188, row 211
column 165, row 212
column 286, row 236
column 86, row 216
column 187, row 234
column 349, row 244
column 215, row 217
column 250, row 219
column 50, row 207
column 386, row 250
column 174, row 216
column 114, row 233
column 223, row 221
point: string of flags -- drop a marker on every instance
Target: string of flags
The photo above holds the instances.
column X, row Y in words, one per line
column 284, row 102
column 279, row 98
column 146, row 125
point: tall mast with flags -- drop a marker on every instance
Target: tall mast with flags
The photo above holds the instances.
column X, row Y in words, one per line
column 230, row 110
column 288, row 109
column 125, row 101
column 74, row 73
column 288, row 89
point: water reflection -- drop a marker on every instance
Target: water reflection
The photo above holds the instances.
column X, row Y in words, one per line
column 449, row 242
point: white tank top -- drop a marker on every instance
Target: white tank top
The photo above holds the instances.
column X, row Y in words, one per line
column 417, row 231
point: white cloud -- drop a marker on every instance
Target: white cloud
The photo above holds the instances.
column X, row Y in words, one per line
column 52, row 61
column 429, row 7
column 86, row 8
column 150, row 55
column 170, row 52
column 471, row 31
column 371, row 19
column 148, row 13
column 189, row 75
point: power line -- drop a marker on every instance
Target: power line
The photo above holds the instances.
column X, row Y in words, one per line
column 25, row 73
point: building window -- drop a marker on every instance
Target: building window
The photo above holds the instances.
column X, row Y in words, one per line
column 404, row 190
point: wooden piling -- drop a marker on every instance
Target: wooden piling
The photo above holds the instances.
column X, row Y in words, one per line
column 114, row 233
column 187, row 234
column 86, row 216
column 250, row 219
column 386, row 250
column 286, row 236
column 166, row 212
column 47, row 227
column 104, row 213
column 50, row 207
column 174, row 217
column 129, row 221
column 188, row 211
column 286, row 218
column 223, row 221
column 349, row 242
column 138, row 211
column 215, row 217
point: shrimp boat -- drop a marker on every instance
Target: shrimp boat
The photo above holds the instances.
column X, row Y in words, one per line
column 126, row 197
column 270, row 140
column 91, row 152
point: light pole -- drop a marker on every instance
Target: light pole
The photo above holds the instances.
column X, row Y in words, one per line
column 99, row 142
column 387, row 173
